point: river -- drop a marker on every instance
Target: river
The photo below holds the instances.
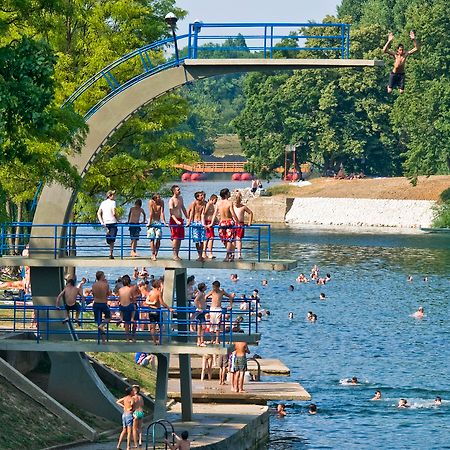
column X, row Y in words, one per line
column 364, row 329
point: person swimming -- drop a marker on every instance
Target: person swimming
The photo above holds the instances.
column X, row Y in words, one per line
column 419, row 313
column 281, row 410
column 403, row 403
column 438, row 401
column 322, row 296
column 354, row 380
column 312, row 409
column 291, row 288
column 290, row 315
column 377, row 395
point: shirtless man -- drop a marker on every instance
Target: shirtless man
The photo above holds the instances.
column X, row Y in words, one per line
column 419, row 313
column 377, row 395
column 397, row 76
column 209, row 212
column 224, row 209
column 134, row 219
column 197, row 220
column 69, row 296
column 240, row 209
column 154, row 301
column 138, row 414
column 200, row 314
column 156, row 220
column 176, row 211
column 127, row 403
column 182, row 443
column 241, row 350
column 100, row 292
column 127, row 307
column 215, row 310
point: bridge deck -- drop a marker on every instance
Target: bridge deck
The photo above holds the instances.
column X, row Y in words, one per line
column 83, row 261
column 257, row 392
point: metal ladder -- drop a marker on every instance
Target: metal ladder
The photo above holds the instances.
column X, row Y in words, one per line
column 164, row 424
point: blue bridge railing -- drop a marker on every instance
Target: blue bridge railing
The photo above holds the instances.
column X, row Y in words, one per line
column 89, row 240
column 211, row 40
column 20, row 315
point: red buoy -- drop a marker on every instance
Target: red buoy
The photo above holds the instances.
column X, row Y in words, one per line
column 186, row 177
column 236, row 177
column 246, row 176
column 195, row 176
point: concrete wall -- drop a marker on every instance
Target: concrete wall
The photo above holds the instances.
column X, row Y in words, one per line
column 344, row 211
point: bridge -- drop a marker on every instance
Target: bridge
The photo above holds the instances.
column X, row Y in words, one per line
column 107, row 100
column 213, row 167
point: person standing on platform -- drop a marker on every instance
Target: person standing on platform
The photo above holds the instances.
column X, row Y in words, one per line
column 197, row 220
column 127, row 403
column 134, row 219
column 240, row 209
column 156, row 220
column 176, row 211
column 241, row 349
column 69, row 295
column 102, row 313
column 209, row 212
column 228, row 219
column 127, row 307
column 108, row 218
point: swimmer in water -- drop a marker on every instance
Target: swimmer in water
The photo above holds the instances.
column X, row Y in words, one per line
column 264, row 282
column 281, row 410
column 377, row 395
column 290, row 315
column 290, row 288
column 410, row 278
column 438, row 401
column 312, row 409
column 419, row 313
column 314, row 318
column 322, row 296
column 354, row 380
column 403, row 403
column 309, row 315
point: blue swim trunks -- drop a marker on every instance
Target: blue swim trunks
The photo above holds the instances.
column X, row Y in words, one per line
column 198, row 232
column 154, row 231
column 127, row 312
column 127, row 419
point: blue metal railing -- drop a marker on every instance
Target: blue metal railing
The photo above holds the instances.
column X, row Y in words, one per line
column 87, row 239
column 20, row 314
column 265, row 40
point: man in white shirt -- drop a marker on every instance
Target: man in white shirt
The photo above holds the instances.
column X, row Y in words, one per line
column 107, row 217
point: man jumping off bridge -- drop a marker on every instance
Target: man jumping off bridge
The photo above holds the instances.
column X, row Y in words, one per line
column 397, row 76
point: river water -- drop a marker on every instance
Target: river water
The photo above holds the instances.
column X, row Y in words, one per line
column 364, row 329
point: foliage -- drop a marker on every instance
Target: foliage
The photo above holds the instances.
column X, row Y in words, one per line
column 442, row 211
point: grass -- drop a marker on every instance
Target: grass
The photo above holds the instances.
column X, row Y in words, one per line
column 28, row 425
column 284, row 189
column 227, row 144
column 124, row 364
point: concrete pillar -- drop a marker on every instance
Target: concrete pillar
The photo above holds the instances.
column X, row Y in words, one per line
column 162, row 383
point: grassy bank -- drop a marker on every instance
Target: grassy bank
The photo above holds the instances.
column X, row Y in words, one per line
column 442, row 211
column 28, row 425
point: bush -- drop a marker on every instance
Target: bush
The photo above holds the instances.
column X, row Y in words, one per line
column 445, row 196
column 442, row 211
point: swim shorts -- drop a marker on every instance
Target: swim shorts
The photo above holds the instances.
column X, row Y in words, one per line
column 75, row 307
column 99, row 309
column 111, row 233
column 127, row 419
column 138, row 414
column 198, row 232
column 134, row 232
column 176, row 230
column 200, row 316
column 127, row 312
column 154, row 231
column 397, row 79
column 215, row 318
column 154, row 316
column 226, row 230
column 240, row 364
column 239, row 231
column 209, row 231
column 222, row 362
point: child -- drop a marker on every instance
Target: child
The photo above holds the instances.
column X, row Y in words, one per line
column 183, row 443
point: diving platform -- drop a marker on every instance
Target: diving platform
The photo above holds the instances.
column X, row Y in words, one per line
column 257, row 392
column 163, row 263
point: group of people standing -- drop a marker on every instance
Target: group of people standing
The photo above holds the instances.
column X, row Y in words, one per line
column 201, row 216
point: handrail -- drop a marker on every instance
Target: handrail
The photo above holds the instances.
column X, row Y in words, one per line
column 153, row 426
column 258, row 370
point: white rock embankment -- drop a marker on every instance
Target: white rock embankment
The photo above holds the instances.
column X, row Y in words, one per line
column 361, row 212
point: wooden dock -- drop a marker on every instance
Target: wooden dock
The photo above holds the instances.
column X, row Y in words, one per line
column 257, row 392
column 273, row 367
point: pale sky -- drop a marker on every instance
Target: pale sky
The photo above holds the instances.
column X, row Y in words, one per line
column 255, row 11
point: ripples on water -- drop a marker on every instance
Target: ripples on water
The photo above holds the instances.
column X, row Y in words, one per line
column 364, row 329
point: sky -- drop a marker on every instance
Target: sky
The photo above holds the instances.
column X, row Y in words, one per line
column 255, row 11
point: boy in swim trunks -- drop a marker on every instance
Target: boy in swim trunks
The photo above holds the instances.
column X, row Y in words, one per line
column 69, row 295
column 127, row 307
column 241, row 350
column 240, row 209
column 397, row 76
column 127, row 403
column 215, row 310
column 134, row 219
column 138, row 414
column 156, row 220
column 100, row 292
column 200, row 314
column 209, row 212
column 197, row 220
column 224, row 209
column 176, row 211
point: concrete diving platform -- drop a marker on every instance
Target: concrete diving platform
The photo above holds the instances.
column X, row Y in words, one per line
column 163, row 263
column 268, row 367
column 111, row 347
column 257, row 392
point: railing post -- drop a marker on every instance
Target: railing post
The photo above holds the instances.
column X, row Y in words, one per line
column 256, row 314
column 271, row 41
column 265, row 41
column 259, row 244
column 342, row 41
column 348, row 40
column 197, row 27
column 268, row 241
column 231, row 327
column 121, row 242
column 55, row 229
column 189, row 242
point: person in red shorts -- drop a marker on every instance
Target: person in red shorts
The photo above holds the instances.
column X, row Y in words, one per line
column 176, row 211
column 209, row 212
column 228, row 219
column 240, row 209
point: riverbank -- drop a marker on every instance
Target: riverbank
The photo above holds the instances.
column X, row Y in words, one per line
column 381, row 202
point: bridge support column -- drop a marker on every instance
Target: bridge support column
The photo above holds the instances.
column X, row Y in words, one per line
column 162, row 383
